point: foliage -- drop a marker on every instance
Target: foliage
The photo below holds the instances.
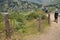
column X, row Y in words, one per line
column 1, row 22
column 51, row 9
column 32, row 16
column 1, row 17
column 25, row 22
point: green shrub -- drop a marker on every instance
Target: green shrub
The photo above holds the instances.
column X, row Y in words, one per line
column 32, row 16
column 1, row 18
column 44, row 17
column 23, row 23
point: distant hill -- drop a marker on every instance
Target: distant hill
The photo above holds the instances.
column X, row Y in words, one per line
column 18, row 5
column 24, row 5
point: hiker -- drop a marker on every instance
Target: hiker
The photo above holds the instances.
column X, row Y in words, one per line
column 56, row 15
column 46, row 9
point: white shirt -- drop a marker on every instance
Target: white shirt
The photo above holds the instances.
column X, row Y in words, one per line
column 56, row 11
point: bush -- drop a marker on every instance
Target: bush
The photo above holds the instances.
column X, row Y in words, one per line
column 35, row 15
column 23, row 23
column 44, row 17
column 1, row 18
column 32, row 16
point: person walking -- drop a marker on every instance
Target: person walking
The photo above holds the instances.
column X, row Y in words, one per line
column 46, row 9
column 56, row 15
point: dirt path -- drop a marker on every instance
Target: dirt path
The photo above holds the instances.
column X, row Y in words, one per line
column 53, row 33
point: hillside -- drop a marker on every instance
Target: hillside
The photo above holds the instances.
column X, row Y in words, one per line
column 17, row 5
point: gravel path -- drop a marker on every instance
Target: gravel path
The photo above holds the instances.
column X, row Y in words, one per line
column 53, row 33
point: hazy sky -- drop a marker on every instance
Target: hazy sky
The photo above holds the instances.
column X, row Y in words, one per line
column 41, row 1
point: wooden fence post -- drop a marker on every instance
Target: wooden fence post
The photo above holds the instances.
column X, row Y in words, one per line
column 49, row 18
column 8, row 28
column 40, row 23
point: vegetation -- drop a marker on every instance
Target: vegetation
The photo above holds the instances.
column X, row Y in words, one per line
column 23, row 17
column 24, row 23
